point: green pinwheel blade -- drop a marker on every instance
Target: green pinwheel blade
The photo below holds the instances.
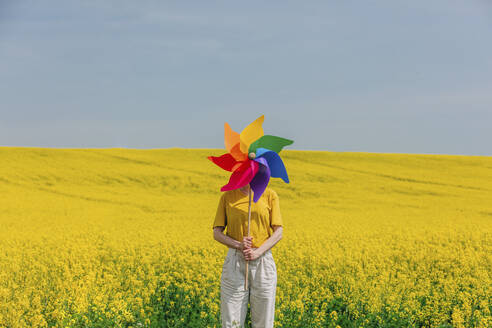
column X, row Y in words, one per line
column 270, row 142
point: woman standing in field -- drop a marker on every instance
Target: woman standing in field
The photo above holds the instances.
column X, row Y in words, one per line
column 266, row 230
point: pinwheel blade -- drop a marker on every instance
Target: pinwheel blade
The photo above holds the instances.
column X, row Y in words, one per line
column 270, row 142
column 260, row 181
column 231, row 137
column 251, row 133
column 275, row 163
column 226, row 162
column 237, row 153
column 242, row 176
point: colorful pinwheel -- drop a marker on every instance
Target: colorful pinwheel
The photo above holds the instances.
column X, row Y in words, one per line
column 252, row 158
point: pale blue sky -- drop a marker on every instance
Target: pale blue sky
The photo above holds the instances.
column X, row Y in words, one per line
column 373, row 76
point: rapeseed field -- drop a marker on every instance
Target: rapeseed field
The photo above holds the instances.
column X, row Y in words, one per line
column 123, row 238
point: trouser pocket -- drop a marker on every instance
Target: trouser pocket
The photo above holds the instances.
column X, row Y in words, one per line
column 229, row 271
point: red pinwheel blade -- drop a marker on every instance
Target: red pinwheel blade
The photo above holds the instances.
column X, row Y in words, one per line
column 226, row 161
column 242, row 176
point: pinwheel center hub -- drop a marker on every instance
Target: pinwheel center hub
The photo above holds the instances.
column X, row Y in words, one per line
column 252, row 155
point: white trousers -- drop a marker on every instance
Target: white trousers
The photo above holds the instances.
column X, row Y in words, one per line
column 262, row 285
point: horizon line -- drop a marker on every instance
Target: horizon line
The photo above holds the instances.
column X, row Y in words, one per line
column 208, row 148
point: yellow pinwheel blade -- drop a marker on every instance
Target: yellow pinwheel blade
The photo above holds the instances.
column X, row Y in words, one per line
column 251, row 133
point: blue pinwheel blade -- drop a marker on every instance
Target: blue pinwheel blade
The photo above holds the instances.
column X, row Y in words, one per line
column 261, row 151
column 275, row 163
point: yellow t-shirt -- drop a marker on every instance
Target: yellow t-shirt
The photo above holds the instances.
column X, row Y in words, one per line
column 232, row 213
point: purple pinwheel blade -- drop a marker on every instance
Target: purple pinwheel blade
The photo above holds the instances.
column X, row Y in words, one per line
column 262, row 177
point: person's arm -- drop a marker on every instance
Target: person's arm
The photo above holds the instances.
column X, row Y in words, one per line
column 226, row 240
column 252, row 254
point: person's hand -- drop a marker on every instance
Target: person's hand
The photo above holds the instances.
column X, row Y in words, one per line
column 251, row 254
column 247, row 243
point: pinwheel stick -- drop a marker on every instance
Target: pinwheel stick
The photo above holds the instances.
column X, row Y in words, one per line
column 249, row 223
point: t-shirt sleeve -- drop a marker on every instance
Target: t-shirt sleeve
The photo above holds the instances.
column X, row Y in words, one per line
column 220, row 216
column 276, row 217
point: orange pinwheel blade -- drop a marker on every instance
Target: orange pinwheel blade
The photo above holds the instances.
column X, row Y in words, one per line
column 238, row 154
column 232, row 143
column 231, row 137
